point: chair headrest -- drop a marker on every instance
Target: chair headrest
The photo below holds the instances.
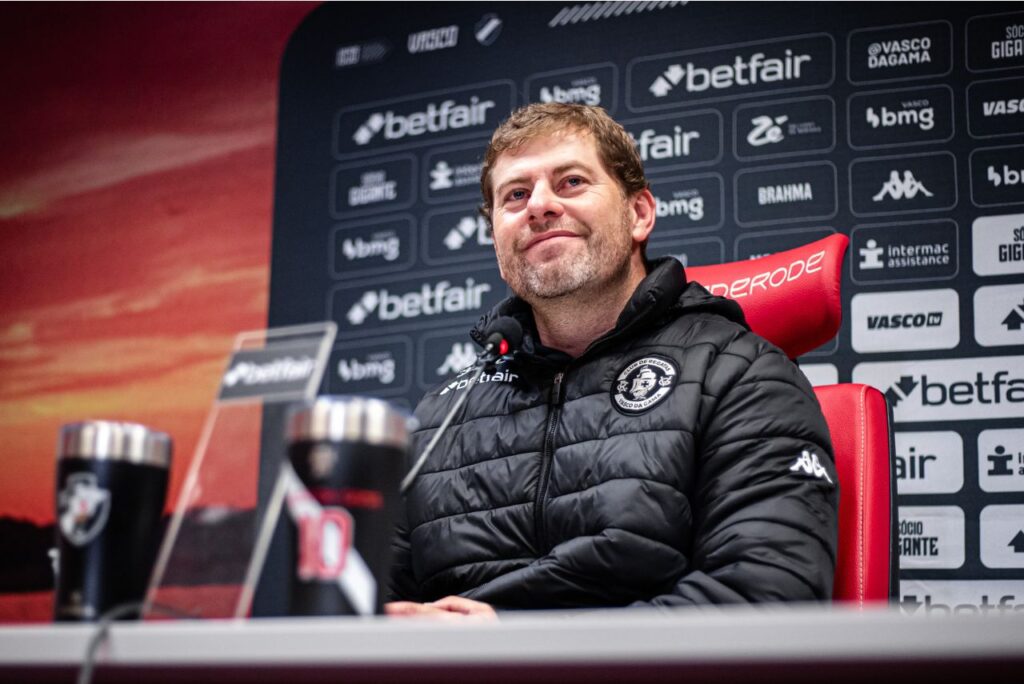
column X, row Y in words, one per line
column 790, row 298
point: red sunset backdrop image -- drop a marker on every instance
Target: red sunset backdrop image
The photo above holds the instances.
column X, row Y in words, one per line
column 135, row 220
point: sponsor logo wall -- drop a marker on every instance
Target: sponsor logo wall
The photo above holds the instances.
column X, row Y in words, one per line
column 901, row 126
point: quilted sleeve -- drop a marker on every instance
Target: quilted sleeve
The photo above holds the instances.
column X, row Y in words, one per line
column 766, row 497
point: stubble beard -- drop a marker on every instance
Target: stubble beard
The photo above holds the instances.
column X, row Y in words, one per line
column 605, row 257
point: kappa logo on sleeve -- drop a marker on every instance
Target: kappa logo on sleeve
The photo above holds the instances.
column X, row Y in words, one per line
column 643, row 384
column 808, row 463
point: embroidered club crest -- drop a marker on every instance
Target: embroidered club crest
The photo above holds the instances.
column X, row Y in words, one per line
column 643, row 384
column 83, row 508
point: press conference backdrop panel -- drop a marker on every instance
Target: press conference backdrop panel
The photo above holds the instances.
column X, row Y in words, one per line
column 762, row 127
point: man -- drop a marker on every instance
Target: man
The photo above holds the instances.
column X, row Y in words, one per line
column 637, row 449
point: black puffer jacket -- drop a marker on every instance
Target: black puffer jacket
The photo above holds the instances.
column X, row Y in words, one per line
column 701, row 474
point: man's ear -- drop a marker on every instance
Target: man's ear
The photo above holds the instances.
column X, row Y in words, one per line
column 642, row 210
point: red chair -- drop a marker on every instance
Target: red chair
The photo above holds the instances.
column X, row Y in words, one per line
column 792, row 298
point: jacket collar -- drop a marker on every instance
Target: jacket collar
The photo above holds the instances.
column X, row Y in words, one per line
column 663, row 292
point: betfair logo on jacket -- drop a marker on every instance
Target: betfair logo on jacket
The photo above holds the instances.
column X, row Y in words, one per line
column 464, row 380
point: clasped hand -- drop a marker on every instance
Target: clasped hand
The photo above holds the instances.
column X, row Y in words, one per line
column 448, row 608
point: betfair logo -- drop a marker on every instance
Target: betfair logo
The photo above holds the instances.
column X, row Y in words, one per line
column 434, row 118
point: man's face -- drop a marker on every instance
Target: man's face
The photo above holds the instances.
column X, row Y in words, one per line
column 561, row 221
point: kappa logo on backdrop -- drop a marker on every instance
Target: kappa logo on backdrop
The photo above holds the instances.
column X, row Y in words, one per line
column 461, row 356
column 83, row 508
column 898, row 188
column 643, row 384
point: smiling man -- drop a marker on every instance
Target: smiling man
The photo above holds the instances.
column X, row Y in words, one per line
column 643, row 448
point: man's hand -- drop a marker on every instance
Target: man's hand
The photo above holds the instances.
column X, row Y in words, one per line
column 448, row 608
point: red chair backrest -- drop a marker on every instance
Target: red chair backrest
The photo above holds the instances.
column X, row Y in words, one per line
column 792, row 299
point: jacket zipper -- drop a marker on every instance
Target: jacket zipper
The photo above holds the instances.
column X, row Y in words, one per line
column 547, row 454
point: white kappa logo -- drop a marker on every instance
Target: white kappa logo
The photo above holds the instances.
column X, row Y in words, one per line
column 643, row 384
column 808, row 462
column 84, row 507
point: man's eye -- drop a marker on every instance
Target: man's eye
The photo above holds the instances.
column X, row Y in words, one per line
column 573, row 181
column 516, row 195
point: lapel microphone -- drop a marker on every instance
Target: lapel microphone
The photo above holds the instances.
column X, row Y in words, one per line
column 502, row 337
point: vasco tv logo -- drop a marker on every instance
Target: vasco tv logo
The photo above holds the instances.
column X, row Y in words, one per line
column 995, row 108
column 779, row 65
column 950, row 389
column 905, row 321
column 422, row 119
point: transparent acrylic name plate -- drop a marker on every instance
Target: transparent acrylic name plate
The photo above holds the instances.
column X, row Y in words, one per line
column 217, row 538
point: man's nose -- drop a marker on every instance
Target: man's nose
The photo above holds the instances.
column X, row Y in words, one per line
column 544, row 203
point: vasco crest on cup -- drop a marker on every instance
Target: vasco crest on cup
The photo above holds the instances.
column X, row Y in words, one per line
column 83, row 508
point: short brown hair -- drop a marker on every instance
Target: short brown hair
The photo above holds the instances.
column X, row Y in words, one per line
column 615, row 146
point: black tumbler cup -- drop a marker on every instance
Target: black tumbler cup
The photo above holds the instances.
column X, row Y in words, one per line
column 111, row 486
column 349, row 453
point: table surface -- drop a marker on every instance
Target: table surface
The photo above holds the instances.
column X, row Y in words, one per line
column 737, row 640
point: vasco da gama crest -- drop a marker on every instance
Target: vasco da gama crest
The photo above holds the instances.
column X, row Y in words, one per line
column 83, row 508
column 643, row 384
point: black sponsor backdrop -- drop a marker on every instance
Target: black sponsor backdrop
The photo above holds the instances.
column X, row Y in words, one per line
column 763, row 127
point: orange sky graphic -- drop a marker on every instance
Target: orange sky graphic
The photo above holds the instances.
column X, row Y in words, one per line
column 135, row 217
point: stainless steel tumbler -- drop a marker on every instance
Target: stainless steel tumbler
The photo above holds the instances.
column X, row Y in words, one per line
column 350, row 454
column 111, row 487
